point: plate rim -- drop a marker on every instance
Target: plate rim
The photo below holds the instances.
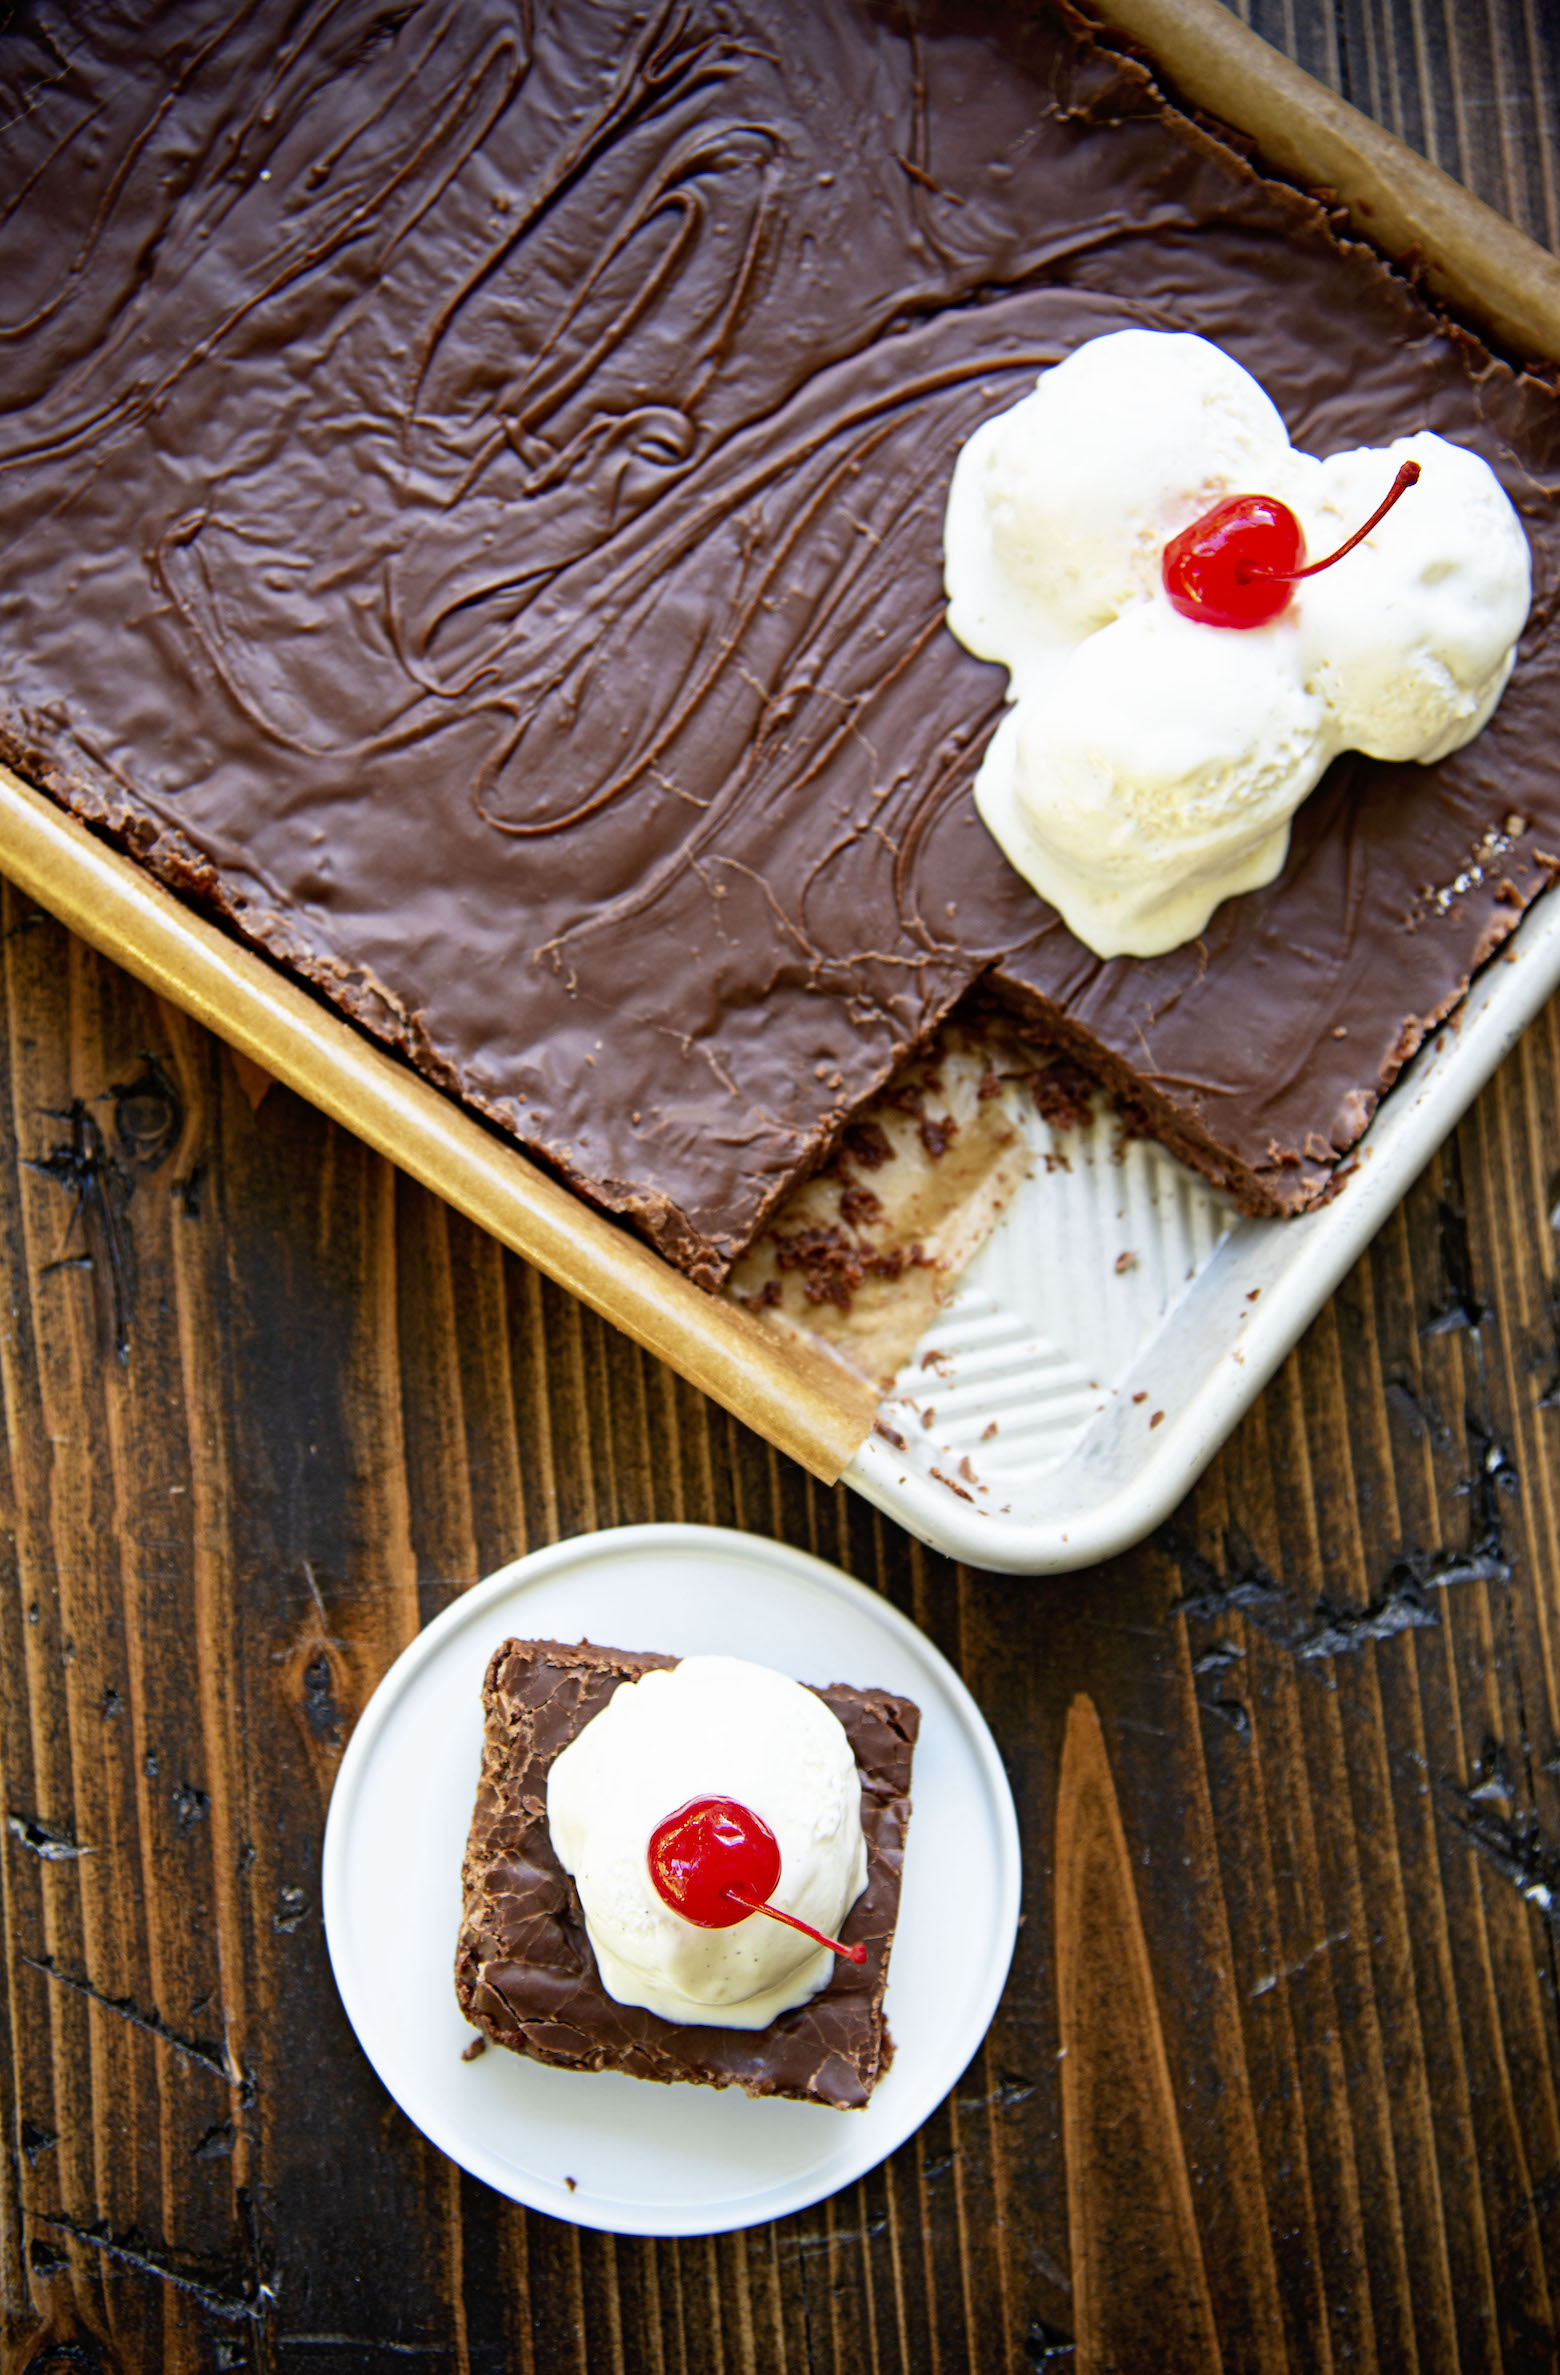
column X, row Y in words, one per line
column 519, row 1574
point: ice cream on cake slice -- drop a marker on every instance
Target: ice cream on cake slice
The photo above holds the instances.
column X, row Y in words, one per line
column 526, row 1973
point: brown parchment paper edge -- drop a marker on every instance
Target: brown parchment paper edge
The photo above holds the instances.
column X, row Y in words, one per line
column 1466, row 254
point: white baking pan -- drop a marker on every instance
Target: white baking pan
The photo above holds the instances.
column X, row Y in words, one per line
column 1121, row 1316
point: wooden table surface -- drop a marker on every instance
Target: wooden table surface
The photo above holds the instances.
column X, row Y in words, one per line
column 1276, row 2079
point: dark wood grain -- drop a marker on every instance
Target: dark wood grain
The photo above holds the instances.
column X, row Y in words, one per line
column 1139, row 2285
column 1276, row 2080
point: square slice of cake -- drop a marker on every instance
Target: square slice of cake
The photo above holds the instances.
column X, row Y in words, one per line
column 525, row 1973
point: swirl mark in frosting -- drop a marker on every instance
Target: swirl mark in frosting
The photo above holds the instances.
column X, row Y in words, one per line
column 471, row 485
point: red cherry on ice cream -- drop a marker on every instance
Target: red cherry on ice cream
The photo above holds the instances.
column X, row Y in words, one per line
column 715, row 1862
column 1237, row 565
column 1203, row 566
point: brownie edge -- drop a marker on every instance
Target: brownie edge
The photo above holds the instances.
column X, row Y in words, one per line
column 525, row 1973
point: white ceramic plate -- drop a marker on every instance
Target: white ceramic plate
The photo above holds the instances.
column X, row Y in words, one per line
column 648, row 2159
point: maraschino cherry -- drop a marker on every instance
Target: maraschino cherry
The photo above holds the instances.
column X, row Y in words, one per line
column 715, row 1862
column 1238, row 565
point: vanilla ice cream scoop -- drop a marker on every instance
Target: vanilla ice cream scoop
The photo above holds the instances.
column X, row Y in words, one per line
column 1060, row 508
column 1411, row 640
column 1156, row 775
column 1153, row 761
column 710, row 1727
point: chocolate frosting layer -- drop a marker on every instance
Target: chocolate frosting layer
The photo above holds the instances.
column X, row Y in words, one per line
column 471, row 484
column 525, row 1973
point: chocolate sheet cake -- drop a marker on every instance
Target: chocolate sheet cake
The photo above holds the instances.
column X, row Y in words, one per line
column 524, row 1971
column 471, row 484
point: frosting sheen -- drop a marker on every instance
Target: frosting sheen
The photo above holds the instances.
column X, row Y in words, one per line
column 471, row 483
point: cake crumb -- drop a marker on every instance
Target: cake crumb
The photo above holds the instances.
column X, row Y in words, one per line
column 1340, row 1030
column 988, row 1432
column 1142, row 1397
column 477, row 2046
column 571, row 2184
column 880, row 1426
column 1064, row 1094
column 1154, row 1421
column 928, row 1416
column 867, row 1143
column 1124, row 1263
column 1253, row 1293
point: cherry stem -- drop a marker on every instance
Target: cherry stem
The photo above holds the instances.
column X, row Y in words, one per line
column 1246, row 572
column 849, row 1954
